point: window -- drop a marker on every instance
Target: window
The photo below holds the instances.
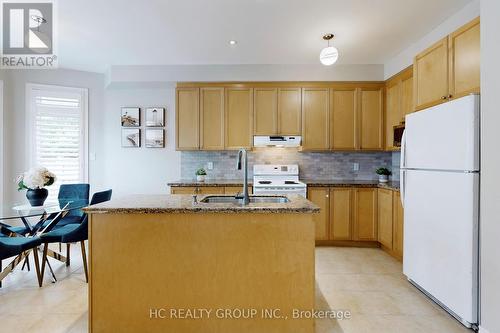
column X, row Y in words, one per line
column 57, row 133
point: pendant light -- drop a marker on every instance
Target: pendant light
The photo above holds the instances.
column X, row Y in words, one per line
column 329, row 54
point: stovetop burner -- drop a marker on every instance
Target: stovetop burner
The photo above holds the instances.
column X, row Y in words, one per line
column 290, row 182
column 265, row 182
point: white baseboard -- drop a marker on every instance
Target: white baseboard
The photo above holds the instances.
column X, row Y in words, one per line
column 483, row 330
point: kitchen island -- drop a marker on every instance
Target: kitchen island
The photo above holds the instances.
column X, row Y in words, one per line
column 169, row 263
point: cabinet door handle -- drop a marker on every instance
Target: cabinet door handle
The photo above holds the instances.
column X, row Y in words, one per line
column 450, row 96
column 443, row 97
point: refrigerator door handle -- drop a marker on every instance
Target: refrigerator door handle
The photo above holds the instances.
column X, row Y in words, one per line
column 402, row 175
column 402, row 166
column 402, row 162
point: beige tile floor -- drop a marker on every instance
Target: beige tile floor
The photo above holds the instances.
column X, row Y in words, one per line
column 367, row 282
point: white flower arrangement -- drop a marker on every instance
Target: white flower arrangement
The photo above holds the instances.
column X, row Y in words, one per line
column 35, row 178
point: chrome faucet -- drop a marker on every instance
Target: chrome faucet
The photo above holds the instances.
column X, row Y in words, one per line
column 242, row 155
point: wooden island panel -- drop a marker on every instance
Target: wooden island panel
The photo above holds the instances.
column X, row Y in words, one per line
column 149, row 261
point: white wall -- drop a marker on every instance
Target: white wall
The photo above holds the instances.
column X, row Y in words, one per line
column 14, row 116
column 155, row 75
column 2, row 159
column 490, row 166
column 138, row 170
column 124, row 170
column 405, row 57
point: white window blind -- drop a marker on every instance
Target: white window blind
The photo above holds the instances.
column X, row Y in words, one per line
column 58, row 134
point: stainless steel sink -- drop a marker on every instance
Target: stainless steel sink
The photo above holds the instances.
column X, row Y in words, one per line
column 219, row 199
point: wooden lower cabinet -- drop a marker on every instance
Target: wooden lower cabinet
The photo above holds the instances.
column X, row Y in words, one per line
column 197, row 190
column 347, row 214
column 390, row 222
column 365, row 214
column 183, row 190
column 230, row 190
column 340, row 214
column 385, row 218
column 210, row 190
column 233, row 190
column 320, row 196
column 398, row 226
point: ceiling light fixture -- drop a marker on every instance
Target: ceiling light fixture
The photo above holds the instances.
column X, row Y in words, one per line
column 232, row 42
column 329, row 54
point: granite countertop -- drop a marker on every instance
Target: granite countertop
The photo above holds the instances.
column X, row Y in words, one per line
column 392, row 185
column 178, row 203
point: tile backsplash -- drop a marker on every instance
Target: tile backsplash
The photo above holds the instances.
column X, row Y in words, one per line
column 395, row 165
column 336, row 165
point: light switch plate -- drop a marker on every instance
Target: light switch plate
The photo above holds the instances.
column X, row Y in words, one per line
column 210, row 165
column 355, row 166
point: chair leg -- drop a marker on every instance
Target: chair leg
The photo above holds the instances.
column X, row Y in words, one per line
column 84, row 257
column 26, row 263
column 44, row 258
column 37, row 267
column 67, row 254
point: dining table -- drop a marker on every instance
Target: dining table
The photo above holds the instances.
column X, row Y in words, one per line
column 36, row 221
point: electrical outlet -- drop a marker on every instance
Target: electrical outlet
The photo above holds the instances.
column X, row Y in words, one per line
column 355, row 166
column 210, row 165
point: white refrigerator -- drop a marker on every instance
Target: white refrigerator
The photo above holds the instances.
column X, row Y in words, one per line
column 440, row 195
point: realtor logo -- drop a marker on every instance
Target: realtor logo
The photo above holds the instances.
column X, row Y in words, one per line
column 28, row 35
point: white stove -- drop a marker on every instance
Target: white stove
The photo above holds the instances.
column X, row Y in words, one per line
column 277, row 179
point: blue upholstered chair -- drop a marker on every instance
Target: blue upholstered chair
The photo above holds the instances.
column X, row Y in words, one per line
column 72, row 193
column 73, row 233
column 18, row 247
column 18, row 230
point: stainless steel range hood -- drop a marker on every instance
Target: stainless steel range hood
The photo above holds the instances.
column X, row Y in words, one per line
column 276, row 141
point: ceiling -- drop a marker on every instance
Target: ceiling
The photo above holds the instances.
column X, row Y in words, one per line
column 94, row 34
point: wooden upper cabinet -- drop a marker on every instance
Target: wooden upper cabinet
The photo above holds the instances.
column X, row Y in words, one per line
column 343, row 119
column 464, row 60
column 430, row 75
column 385, row 218
column 289, row 111
column 398, row 224
column 406, row 92
column 238, row 118
column 365, row 214
column 266, row 111
column 392, row 115
column 371, row 119
column 320, row 197
column 187, row 117
column 212, row 118
column 398, row 103
column 315, row 117
column 340, row 214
